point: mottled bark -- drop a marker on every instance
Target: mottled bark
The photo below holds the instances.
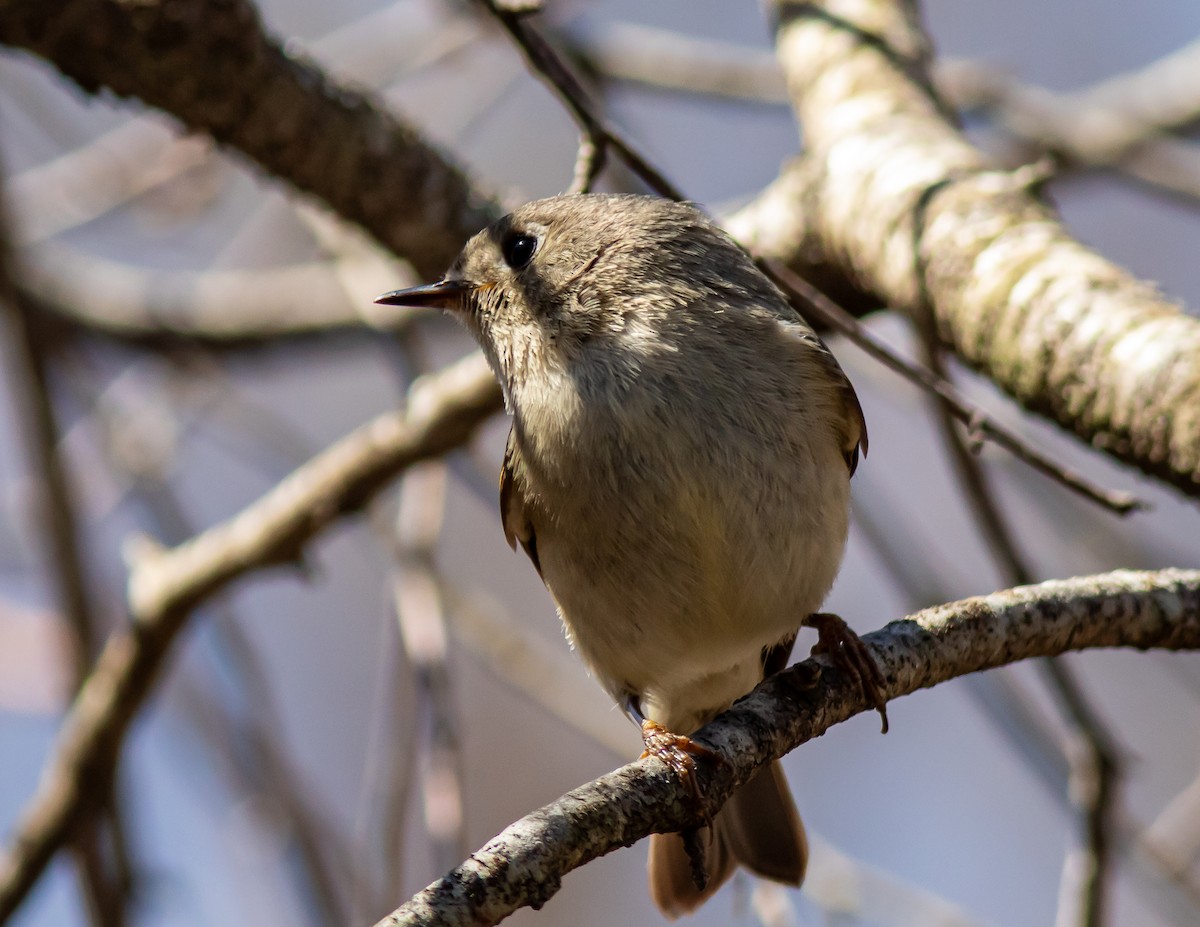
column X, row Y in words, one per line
column 524, row 864
column 210, row 64
column 893, row 195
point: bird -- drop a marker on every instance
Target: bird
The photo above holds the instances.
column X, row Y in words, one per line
column 677, row 471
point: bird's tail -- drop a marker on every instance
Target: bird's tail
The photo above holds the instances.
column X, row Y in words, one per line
column 758, row 828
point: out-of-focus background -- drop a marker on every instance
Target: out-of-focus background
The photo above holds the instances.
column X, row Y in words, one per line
column 297, row 763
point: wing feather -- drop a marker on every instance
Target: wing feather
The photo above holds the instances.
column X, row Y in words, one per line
column 514, row 512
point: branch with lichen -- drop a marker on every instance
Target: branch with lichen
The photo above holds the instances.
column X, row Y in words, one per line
column 891, row 196
column 524, row 864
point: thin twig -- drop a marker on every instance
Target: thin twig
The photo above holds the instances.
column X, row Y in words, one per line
column 1019, row 718
column 322, row 872
column 420, row 613
column 60, row 531
column 549, row 65
column 323, row 868
column 980, row 499
column 976, row 419
column 58, row 522
column 1089, row 749
column 382, row 808
column 1092, row 787
column 250, row 752
column 589, row 162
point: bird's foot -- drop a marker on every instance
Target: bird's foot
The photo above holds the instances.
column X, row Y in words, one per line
column 680, row 752
column 677, row 751
column 839, row 640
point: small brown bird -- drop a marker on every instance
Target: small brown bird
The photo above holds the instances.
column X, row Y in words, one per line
column 677, row 470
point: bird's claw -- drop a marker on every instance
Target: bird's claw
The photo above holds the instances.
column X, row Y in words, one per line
column 839, row 640
column 677, row 751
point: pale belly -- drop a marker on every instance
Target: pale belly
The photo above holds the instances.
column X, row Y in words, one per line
column 677, row 607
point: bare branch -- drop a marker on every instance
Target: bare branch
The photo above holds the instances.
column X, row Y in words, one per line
column 443, row 411
column 525, row 863
column 103, row 873
column 1095, row 774
column 833, row 316
column 420, row 612
column 263, row 101
column 669, row 60
column 1122, row 123
column 974, row 245
column 588, row 165
column 260, row 766
column 548, row 65
column 1090, row 750
column 219, row 308
column 31, row 390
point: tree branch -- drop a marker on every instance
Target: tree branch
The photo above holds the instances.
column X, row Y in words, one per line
column 1090, row 749
column 219, row 309
column 525, row 863
column 1058, row 327
column 102, row 873
column 443, row 411
column 237, row 83
column 549, row 66
column 829, row 315
column 1124, row 123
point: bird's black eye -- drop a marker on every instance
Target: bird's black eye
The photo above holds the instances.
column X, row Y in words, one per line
column 518, row 249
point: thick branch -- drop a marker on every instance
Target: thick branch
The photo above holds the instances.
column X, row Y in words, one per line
column 210, row 64
column 525, row 863
column 892, row 194
column 443, row 411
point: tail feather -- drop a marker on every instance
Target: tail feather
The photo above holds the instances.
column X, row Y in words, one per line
column 758, row 828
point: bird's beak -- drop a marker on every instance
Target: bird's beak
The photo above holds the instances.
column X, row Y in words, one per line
column 445, row 294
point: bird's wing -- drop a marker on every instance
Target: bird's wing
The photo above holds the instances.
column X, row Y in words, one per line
column 854, row 436
column 513, row 512
column 776, row 657
column 856, row 439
